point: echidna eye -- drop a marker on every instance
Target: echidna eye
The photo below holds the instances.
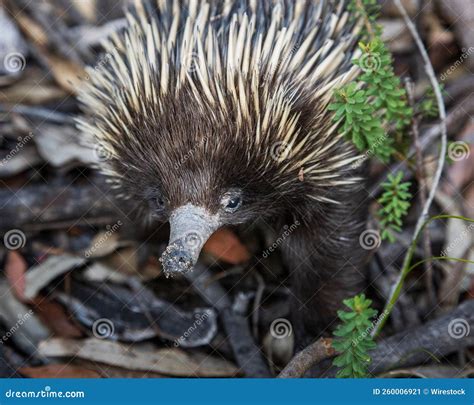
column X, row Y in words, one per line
column 232, row 204
column 159, row 202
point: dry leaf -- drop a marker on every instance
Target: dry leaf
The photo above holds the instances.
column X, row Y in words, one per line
column 67, row 74
column 173, row 362
column 60, row 146
column 15, row 268
column 41, row 275
column 21, row 323
column 56, row 318
column 224, row 245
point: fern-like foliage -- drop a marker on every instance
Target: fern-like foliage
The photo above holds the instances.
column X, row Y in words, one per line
column 428, row 107
column 353, row 339
column 367, row 9
column 382, row 83
column 359, row 121
column 377, row 101
column 395, row 202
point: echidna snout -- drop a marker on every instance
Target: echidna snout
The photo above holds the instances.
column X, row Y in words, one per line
column 191, row 226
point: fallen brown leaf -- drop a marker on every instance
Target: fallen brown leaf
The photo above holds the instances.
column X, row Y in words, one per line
column 56, row 318
column 15, row 268
column 224, row 245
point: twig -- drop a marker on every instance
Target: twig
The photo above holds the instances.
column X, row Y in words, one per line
column 441, row 159
column 256, row 303
column 308, row 357
column 236, row 324
column 439, row 337
column 421, row 177
column 49, row 205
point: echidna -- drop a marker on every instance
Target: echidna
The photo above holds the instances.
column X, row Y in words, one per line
column 215, row 113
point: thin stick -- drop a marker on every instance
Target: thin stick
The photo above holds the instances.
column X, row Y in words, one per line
column 306, row 358
column 396, row 290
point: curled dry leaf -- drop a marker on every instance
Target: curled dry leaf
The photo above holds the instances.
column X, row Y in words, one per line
column 224, row 245
column 41, row 275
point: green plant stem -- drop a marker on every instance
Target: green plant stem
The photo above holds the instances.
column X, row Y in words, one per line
column 407, row 268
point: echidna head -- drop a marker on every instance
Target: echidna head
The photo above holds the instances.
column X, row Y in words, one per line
column 198, row 171
column 211, row 123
